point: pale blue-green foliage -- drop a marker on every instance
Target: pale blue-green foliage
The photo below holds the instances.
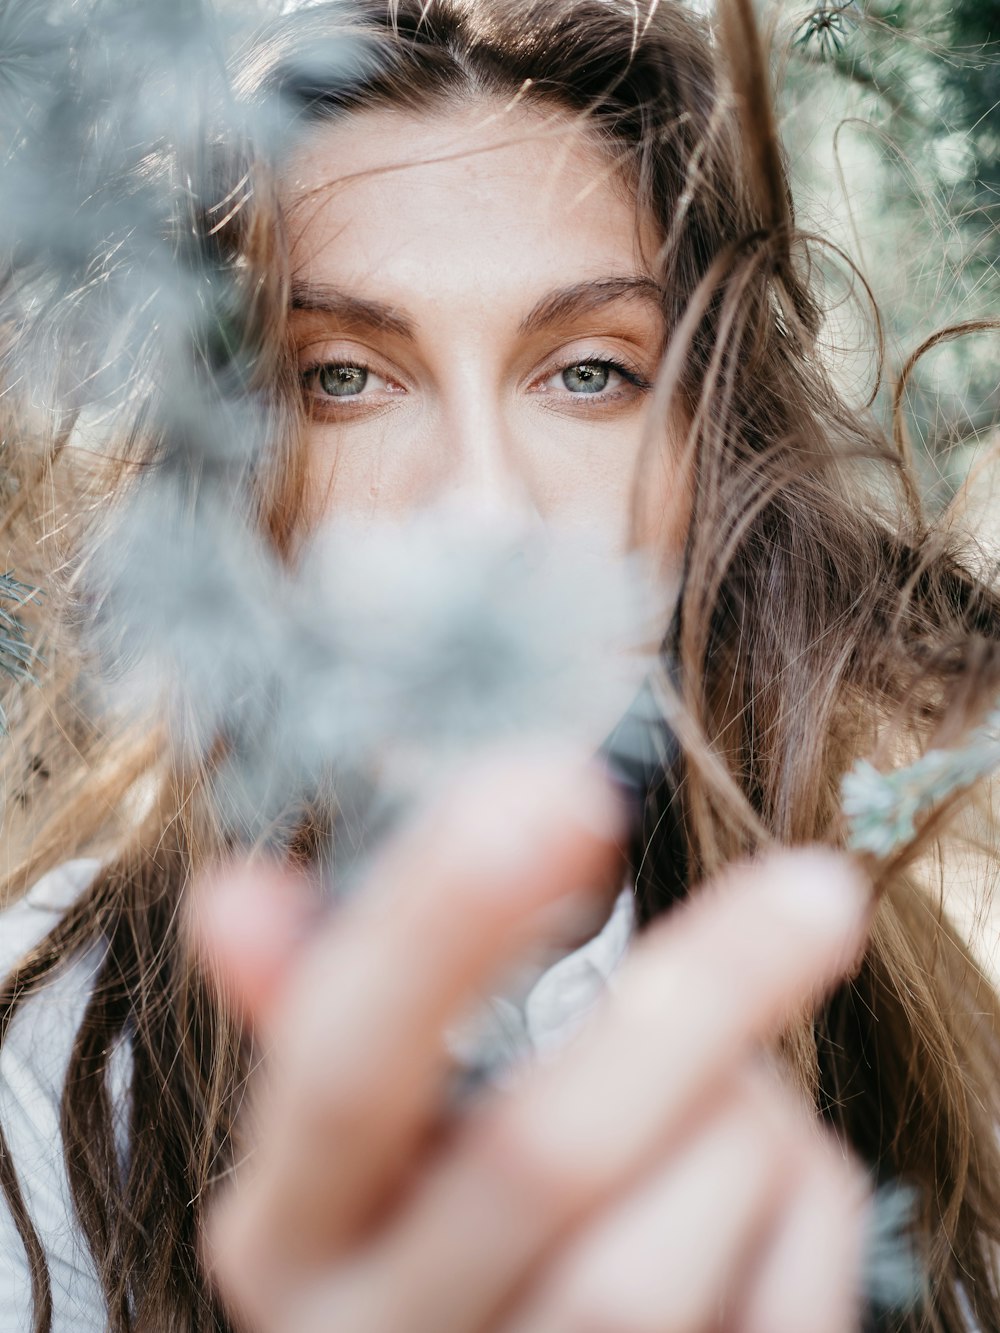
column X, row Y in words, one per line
column 390, row 651
column 888, row 159
column 100, row 279
column 828, row 25
column 888, row 115
column 885, row 810
column 367, row 669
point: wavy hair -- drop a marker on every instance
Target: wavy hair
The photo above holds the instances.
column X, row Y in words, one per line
column 822, row 616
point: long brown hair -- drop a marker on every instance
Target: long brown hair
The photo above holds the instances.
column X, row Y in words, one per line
column 821, row 614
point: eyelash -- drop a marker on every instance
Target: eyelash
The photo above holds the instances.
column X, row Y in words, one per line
column 627, row 373
column 609, row 362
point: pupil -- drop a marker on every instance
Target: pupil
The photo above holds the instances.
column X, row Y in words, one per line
column 342, row 381
column 588, row 377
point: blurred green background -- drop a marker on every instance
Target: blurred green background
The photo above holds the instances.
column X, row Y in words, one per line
column 890, row 113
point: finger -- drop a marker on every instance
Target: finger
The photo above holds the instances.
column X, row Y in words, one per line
column 706, row 988
column 659, row 1260
column 810, row 1276
column 248, row 924
column 699, row 993
column 357, row 1034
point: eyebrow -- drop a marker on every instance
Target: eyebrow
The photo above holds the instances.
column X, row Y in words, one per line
column 582, row 297
column 554, row 308
column 351, row 311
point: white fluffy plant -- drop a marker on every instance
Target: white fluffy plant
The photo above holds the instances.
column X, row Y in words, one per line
column 885, row 810
column 390, row 652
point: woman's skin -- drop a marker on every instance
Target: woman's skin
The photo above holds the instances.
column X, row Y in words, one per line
column 656, row 1175
column 468, row 262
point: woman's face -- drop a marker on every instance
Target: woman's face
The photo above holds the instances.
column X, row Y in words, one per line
column 476, row 322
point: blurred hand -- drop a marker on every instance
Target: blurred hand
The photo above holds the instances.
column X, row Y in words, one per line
column 652, row 1177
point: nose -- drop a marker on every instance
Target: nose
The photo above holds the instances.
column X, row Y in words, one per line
column 486, row 470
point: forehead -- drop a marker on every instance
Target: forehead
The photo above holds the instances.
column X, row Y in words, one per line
column 463, row 195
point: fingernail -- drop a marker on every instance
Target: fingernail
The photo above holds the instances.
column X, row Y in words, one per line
column 512, row 805
column 596, row 804
column 823, row 888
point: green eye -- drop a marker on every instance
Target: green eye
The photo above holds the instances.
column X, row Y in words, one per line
column 341, row 381
column 588, row 377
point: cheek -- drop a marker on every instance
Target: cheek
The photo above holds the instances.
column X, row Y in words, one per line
column 640, row 489
column 664, row 499
column 606, row 477
column 588, row 474
column 368, row 471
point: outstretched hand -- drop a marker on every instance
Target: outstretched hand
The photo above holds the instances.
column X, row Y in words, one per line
column 653, row 1176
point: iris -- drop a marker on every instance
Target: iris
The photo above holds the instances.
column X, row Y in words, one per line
column 588, row 377
column 341, row 381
